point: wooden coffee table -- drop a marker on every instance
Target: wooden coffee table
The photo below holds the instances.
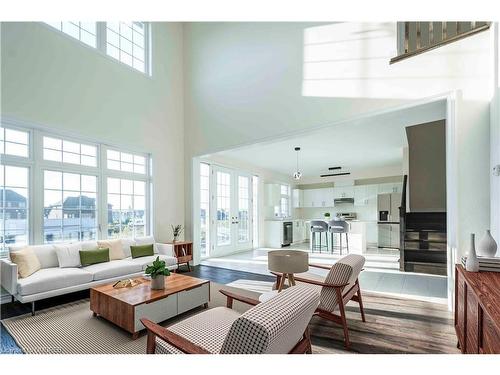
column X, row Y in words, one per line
column 126, row 306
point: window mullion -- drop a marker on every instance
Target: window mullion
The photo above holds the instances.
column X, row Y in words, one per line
column 101, row 36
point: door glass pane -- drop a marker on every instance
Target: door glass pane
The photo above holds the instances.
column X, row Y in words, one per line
column 243, row 209
column 204, row 208
column 223, row 208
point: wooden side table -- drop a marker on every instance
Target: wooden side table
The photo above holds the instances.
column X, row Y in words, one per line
column 183, row 251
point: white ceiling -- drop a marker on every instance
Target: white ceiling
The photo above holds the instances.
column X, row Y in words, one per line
column 370, row 142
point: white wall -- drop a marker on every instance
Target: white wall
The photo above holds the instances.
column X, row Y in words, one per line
column 244, row 83
column 52, row 80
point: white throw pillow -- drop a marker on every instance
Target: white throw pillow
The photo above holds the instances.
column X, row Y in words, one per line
column 68, row 254
column 126, row 243
column 115, row 248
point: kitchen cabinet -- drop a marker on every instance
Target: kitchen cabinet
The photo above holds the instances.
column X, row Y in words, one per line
column 343, row 192
column 298, row 231
column 392, row 187
column 318, row 197
column 388, row 235
column 298, row 198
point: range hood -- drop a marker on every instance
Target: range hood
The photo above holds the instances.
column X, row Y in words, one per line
column 337, row 201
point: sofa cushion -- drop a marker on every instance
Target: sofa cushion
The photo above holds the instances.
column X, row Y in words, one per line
column 142, row 251
column 54, row 278
column 115, row 248
column 26, row 260
column 68, row 254
column 147, row 240
column 114, row 268
column 126, row 243
column 89, row 245
column 207, row 329
column 88, row 257
column 46, row 254
column 145, row 261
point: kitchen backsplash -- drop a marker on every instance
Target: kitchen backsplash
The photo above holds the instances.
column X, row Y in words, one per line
column 367, row 212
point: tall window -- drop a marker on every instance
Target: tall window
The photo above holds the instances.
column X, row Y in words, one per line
column 285, row 201
column 204, row 209
column 255, row 210
column 70, row 208
column 243, row 209
column 122, row 161
column 70, row 192
column 14, row 206
column 126, row 42
column 126, row 208
column 85, row 32
column 14, row 142
column 223, row 225
column 56, row 149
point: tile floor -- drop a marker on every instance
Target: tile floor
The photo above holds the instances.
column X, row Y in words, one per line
column 380, row 275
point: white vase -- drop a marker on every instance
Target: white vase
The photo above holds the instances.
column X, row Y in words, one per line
column 472, row 264
column 487, row 247
column 158, row 282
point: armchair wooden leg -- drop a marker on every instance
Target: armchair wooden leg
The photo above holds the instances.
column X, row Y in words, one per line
column 343, row 319
column 151, row 343
column 360, row 301
column 307, row 335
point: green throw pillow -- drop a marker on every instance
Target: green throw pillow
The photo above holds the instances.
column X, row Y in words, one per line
column 88, row 257
column 142, row 251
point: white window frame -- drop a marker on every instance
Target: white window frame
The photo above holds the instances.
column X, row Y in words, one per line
column 19, row 161
column 37, row 165
column 101, row 45
column 287, row 197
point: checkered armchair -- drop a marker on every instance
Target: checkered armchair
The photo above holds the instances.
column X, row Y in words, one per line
column 277, row 326
column 340, row 285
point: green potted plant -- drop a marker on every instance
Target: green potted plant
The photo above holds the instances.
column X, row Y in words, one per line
column 327, row 215
column 177, row 230
column 157, row 270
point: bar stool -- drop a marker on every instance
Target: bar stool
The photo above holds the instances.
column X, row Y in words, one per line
column 340, row 227
column 318, row 226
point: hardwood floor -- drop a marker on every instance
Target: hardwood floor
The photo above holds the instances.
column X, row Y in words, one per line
column 394, row 325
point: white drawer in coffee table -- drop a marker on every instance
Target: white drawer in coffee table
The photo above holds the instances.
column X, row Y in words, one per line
column 189, row 299
column 156, row 311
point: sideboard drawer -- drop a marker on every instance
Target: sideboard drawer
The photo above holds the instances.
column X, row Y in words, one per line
column 192, row 298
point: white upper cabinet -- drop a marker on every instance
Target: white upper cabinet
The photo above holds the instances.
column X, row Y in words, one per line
column 318, row 197
column 392, row 187
column 360, row 195
column 343, row 192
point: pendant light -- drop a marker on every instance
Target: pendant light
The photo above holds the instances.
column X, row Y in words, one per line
column 297, row 175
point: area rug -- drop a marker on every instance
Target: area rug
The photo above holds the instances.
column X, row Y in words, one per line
column 393, row 326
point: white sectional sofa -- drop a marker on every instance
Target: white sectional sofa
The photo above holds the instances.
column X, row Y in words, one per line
column 52, row 280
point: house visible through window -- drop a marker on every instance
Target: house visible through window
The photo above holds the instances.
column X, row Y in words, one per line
column 126, row 208
column 69, row 209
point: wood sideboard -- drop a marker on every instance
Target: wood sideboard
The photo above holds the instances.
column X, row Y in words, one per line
column 477, row 311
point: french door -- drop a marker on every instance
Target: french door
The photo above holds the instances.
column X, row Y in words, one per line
column 231, row 211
